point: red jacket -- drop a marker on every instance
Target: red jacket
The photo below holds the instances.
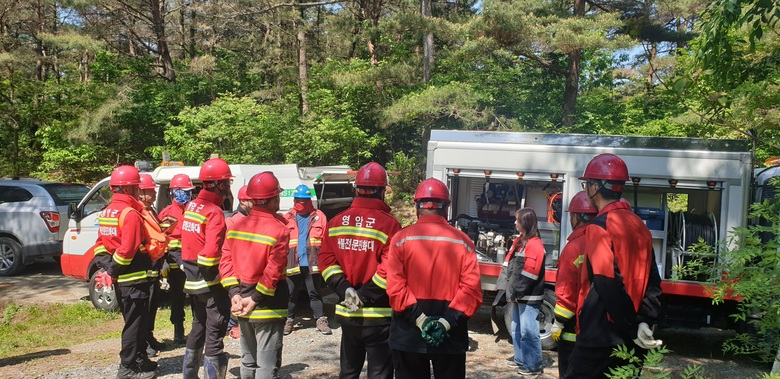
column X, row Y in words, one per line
column 174, row 245
column 619, row 285
column 567, row 284
column 432, row 269
column 525, row 277
column 317, row 225
column 353, row 255
column 122, row 242
column 202, row 235
column 253, row 260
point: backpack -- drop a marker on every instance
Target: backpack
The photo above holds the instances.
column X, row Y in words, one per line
column 156, row 242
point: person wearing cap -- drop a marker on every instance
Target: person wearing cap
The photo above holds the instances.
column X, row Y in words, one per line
column 252, row 270
column 202, row 236
column 243, row 209
column 307, row 226
column 147, row 195
column 567, row 283
column 352, row 260
column 120, row 237
column 620, row 287
column 434, row 288
column 181, row 192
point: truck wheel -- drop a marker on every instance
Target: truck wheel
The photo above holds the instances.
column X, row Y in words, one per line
column 11, row 260
column 103, row 298
column 546, row 320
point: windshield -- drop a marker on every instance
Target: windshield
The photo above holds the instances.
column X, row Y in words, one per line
column 64, row 193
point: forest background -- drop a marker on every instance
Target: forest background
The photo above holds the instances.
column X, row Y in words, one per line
column 86, row 85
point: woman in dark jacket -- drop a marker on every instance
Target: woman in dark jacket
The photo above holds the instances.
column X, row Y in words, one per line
column 525, row 293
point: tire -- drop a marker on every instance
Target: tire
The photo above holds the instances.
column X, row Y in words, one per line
column 546, row 320
column 11, row 260
column 102, row 298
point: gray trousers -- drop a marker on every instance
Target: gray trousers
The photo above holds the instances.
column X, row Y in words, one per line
column 261, row 348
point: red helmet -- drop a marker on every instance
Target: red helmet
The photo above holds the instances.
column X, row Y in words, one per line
column 432, row 189
column 125, row 176
column 580, row 204
column 263, row 186
column 606, row 167
column 372, row 174
column 147, row 182
column 242, row 194
column 182, row 182
column 214, row 169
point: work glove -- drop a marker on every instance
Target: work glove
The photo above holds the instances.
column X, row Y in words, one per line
column 644, row 337
column 555, row 331
column 165, row 270
column 437, row 331
column 352, row 300
column 164, row 285
column 104, row 279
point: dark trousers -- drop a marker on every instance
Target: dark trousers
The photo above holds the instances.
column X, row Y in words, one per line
column 595, row 362
column 296, row 285
column 564, row 352
column 154, row 302
column 176, row 280
column 210, row 314
column 359, row 342
column 418, row 365
column 134, row 304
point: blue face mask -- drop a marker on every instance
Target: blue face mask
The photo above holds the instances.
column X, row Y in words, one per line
column 181, row 196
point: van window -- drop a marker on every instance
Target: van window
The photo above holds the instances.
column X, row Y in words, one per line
column 64, row 193
column 99, row 200
column 13, row 194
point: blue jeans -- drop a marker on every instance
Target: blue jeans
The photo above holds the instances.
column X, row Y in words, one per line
column 525, row 336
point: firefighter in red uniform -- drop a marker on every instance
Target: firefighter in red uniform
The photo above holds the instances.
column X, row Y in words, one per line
column 620, row 287
column 352, row 260
column 147, row 196
column 306, row 226
column 243, row 209
column 252, row 269
column 567, row 284
column 202, row 235
column 121, row 234
column 434, row 288
column 181, row 191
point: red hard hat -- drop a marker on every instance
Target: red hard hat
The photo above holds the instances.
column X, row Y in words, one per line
column 242, row 194
column 580, row 204
column 214, row 169
column 182, row 182
column 125, row 176
column 263, row 186
column 432, row 189
column 606, row 167
column 147, row 182
column 372, row 174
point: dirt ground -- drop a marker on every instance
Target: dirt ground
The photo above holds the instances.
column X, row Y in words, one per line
column 307, row 354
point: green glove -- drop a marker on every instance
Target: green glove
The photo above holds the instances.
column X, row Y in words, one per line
column 437, row 331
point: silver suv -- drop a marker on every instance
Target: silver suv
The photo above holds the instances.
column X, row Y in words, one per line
column 31, row 226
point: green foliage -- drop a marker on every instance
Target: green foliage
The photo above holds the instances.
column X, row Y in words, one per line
column 636, row 367
column 408, row 173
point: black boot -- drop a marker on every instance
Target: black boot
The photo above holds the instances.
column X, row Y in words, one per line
column 191, row 364
column 155, row 344
column 178, row 334
column 215, row 366
column 134, row 372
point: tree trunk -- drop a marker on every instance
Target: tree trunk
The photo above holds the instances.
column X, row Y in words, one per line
column 572, row 83
column 303, row 69
column 650, row 68
column 158, row 25
column 425, row 10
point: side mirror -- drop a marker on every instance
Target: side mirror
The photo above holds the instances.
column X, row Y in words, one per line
column 74, row 212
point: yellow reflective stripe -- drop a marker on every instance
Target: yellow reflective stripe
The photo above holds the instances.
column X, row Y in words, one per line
column 315, row 269
column 108, row 221
column 370, row 312
column 293, row 242
column 265, row 314
column 206, row 261
column 563, row 312
column 132, row 276
column 357, row 232
column 293, row 271
column 229, row 281
column 193, row 216
column 251, row 237
column 577, row 262
column 265, row 290
column 379, row 281
column 570, row 337
column 174, row 244
column 122, row 261
column 173, row 265
column 200, row 284
column 101, row 250
column 315, row 241
column 332, row 270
